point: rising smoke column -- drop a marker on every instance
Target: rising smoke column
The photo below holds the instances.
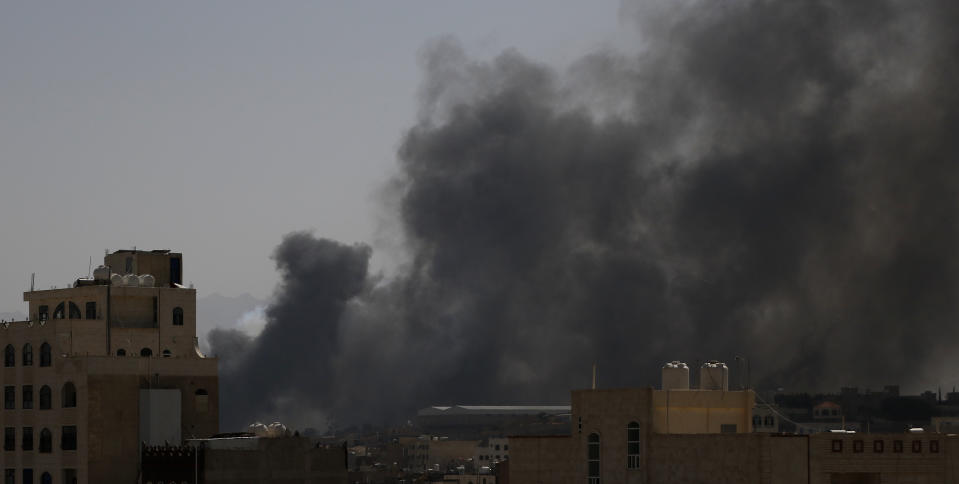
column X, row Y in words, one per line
column 771, row 179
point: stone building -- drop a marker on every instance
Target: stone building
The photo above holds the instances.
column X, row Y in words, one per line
column 681, row 435
column 101, row 367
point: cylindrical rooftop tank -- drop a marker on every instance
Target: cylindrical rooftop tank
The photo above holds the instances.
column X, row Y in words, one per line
column 116, row 279
column 131, row 280
column 675, row 376
column 714, row 375
column 259, row 429
column 277, row 429
column 101, row 273
column 147, row 280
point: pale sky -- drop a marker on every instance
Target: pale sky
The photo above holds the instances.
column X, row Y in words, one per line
column 214, row 128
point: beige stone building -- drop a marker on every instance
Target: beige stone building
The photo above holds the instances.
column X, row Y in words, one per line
column 101, row 367
column 682, row 435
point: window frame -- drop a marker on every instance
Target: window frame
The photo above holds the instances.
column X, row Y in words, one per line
column 74, row 311
column 45, row 398
column 178, row 316
column 68, row 437
column 26, row 438
column 68, row 395
column 46, row 442
column 634, row 443
column 26, row 355
column 593, row 459
column 9, row 356
column 46, row 356
column 26, row 397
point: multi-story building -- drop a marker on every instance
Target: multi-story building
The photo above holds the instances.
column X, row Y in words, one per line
column 102, row 367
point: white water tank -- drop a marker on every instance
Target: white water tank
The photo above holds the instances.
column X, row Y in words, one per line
column 259, row 429
column 276, row 429
column 116, row 279
column 131, row 280
column 675, row 376
column 147, row 280
column 101, row 273
column 714, row 375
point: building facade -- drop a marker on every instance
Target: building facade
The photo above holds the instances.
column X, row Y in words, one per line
column 102, row 367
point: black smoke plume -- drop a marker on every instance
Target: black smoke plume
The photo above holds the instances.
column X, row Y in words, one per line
column 776, row 180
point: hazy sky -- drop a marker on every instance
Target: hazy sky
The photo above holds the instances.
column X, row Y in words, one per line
column 213, row 128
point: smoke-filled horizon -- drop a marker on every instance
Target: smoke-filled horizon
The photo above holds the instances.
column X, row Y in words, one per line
column 769, row 179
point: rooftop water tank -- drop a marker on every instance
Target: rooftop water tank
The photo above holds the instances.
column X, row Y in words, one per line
column 131, row 280
column 259, row 429
column 675, row 376
column 101, row 273
column 116, row 279
column 147, row 280
column 714, row 375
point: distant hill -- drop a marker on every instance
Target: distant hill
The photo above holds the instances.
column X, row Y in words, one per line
column 218, row 311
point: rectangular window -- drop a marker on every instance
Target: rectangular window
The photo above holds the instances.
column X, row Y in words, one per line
column 28, row 476
column 69, row 476
column 837, row 445
column 727, row 428
column 9, row 438
column 9, row 397
column 27, row 397
column 28, row 438
column 877, row 446
column 43, row 312
column 916, row 446
column 9, row 476
column 68, row 437
column 934, row 446
column 91, row 310
column 897, row 446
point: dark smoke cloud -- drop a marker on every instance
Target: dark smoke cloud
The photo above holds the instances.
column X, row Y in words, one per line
column 770, row 179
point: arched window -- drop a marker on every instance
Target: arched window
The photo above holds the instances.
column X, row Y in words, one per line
column 770, row 421
column 178, row 316
column 167, row 353
column 45, row 398
column 58, row 311
column 45, row 354
column 592, row 459
column 9, row 356
column 146, row 352
column 45, row 478
column 28, row 355
column 632, row 445
column 121, row 352
column 46, row 442
column 75, row 311
column 757, row 421
column 68, row 396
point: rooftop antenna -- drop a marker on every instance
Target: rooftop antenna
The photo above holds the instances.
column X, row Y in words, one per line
column 89, row 266
column 594, row 376
column 33, row 280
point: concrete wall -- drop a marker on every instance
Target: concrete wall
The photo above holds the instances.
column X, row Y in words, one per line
column 279, row 460
column 924, row 466
column 541, row 460
column 701, row 411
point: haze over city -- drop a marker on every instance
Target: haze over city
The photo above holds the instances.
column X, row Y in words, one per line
column 462, row 203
